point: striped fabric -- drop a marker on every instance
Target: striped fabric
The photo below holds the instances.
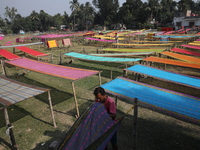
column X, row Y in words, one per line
column 7, row 54
column 122, row 54
column 170, row 102
column 194, row 43
column 52, row 69
column 166, row 75
column 133, row 50
column 130, row 45
column 100, row 40
column 66, row 42
column 28, row 44
column 31, row 51
column 99, row 58
column 12, row 91
column 179, row 50
column 172, row 62
column 52, row 43
column 174, row 36
column 191, row 46
column 93, row 126
column 165, row 40
column 186, row 58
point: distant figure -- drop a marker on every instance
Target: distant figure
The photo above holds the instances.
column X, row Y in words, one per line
column 116, row 37
column 109, row 103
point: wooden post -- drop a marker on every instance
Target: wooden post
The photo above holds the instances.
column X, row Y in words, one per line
column 9, row 130
column 75, row 100
column 136, row 76
column 116, row 101
column 150, row 64
column 133, row 74
column 3, row 67
column 139, row 76
column 51, row 109
column 124, row 73
column 158, row 65
column 51, row 57
column 60, row 59
column 14, row 50
column 83, row 50
column 110, row 75
column 135, row 124
column 126, row 66
column 99, row 78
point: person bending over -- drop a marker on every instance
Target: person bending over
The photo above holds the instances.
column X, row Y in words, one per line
column 109, row 103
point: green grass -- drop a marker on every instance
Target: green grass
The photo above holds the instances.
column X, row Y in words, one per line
column 32, row 120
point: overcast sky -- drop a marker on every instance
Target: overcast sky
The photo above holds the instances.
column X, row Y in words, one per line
column 52, row 7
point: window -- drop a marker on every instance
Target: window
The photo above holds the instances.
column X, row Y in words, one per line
column 179, row 24
column 191, row 24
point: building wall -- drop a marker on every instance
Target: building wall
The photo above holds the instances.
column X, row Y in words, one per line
column 186, row 22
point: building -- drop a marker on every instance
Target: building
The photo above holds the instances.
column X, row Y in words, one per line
column 186, row 20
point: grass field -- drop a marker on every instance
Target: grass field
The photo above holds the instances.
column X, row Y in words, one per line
column 31, row 118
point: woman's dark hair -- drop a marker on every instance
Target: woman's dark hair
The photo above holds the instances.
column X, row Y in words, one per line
column 99, row 90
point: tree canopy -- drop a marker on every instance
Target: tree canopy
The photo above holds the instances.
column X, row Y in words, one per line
column 133, row 14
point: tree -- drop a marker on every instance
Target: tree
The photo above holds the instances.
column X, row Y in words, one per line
column 57, row 21
column 166, row 14
column 2, row 23
column 132, row 13
column 74, row 7
column 86, row 15
column 152, row 8
column 89, row 11
column 36, row 24
column 107, row 10
column 196, row 7
column 65, row 18
column 10, row 13
column 45, row 20
column 183, row 5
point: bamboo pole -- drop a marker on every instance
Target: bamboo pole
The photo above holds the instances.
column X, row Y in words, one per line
column 135, row 124
column 99, row 78
column 60, row 58
column 9, row 130
column 110, row 75
column 51, row 57
column 116, row 101
column 124, row 72
column 139, row 76
column 51, row 109
column 75, row 100
column 3, row 67
column 136, row 76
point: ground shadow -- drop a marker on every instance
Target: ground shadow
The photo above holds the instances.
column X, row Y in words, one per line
column 57, row 96
column 5, row 144
column 117, row 68
column 16, row 113
column 150, row 132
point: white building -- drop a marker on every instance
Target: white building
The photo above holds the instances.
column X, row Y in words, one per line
column 186, row 20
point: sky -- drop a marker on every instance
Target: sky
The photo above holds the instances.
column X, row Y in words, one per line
column 52, row 7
